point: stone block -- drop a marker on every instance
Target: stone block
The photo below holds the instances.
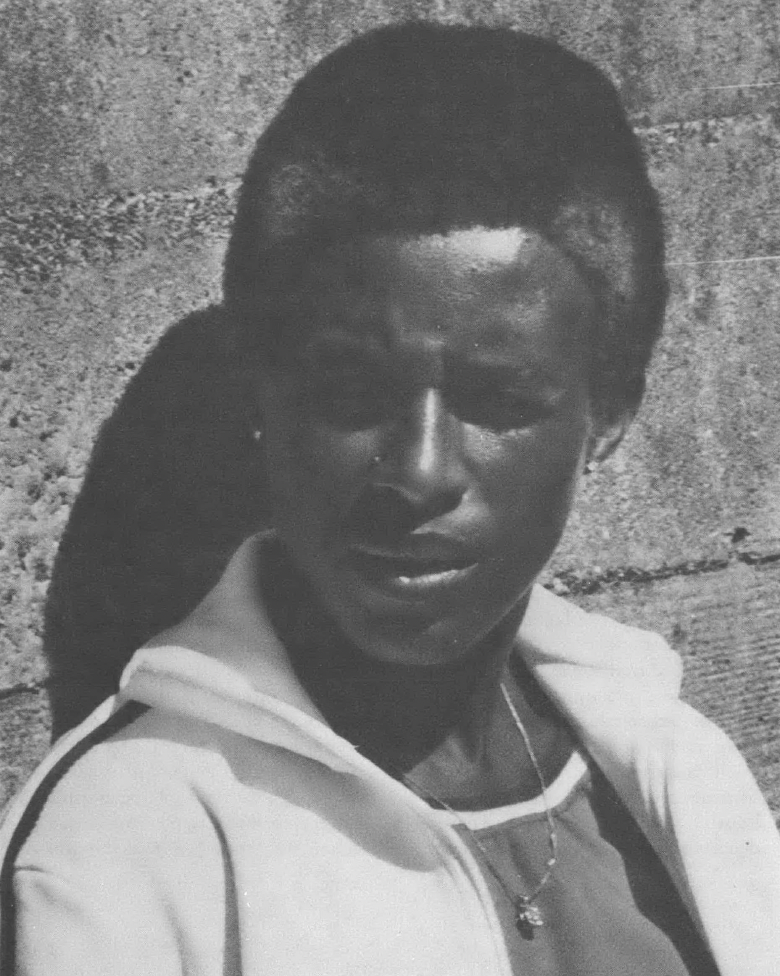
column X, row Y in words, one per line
column 698, row 478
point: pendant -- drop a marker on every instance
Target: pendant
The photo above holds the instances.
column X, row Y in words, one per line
column 527, row 918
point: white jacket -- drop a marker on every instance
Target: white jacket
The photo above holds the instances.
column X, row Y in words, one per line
column 229, row 830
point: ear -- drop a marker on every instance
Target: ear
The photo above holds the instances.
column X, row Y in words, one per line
column 607, row 434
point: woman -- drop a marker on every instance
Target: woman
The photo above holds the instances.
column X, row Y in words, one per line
column 376, row 746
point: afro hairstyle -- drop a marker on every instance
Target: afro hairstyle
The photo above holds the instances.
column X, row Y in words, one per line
column 423, row 128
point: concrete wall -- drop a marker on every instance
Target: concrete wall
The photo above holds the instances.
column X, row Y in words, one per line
column 124, row 129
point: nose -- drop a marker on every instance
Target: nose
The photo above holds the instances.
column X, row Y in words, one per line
column 422, row 457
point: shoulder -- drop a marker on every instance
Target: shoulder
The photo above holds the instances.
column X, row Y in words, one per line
column 106, row 792
column 555, row 631
column 110, row 856
column 113, row 862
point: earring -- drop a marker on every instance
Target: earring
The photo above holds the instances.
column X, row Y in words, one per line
column 590, row 467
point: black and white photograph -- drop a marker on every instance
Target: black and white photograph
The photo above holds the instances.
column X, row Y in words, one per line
column 389, row 488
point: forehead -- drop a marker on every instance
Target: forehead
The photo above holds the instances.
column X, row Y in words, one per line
column 493, row 291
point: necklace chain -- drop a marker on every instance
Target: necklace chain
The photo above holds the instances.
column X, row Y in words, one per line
column 527, row 914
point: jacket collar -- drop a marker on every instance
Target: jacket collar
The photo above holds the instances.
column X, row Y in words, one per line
column 224, row 663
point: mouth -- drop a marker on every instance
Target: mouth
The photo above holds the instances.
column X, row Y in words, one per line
column 420, row 568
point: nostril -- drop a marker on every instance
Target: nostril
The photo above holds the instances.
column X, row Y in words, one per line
column 382, row 515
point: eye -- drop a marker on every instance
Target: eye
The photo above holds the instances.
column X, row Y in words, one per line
column 349, row 397
column 495, row 407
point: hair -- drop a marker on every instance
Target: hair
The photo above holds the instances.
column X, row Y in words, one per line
column 424, row 128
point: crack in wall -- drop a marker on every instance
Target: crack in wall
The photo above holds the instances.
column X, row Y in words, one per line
column 566, row 582
column 583, row 584
column 22, row 689
column 40, row 238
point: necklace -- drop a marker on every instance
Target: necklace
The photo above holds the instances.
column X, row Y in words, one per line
column 528, row 916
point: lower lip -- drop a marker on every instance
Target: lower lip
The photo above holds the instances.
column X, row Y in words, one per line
column 392, row 583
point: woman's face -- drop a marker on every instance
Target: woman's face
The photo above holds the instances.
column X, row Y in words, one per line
column 423, row 453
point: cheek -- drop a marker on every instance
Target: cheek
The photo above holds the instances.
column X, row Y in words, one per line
column 312, row 470
column 531, row 476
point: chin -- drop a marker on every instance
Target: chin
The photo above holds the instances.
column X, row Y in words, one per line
column 418, row 639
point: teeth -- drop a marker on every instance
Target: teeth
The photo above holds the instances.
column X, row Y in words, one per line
column 412, row 573
column 424, row 571
column 428, row 567
column 429, row 576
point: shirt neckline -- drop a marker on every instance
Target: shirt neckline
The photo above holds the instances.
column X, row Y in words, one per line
column 557, row 793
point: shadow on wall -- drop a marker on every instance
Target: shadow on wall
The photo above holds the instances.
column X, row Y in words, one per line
column 173, row 486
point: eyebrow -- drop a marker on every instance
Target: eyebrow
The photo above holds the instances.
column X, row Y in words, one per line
column 338, row 344
column 537, row 374
column 538, row 377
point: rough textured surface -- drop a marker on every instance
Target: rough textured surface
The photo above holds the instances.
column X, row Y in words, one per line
column 25, row 739
column 124, row 129
column 700, row 471
column 119, row 96
column 72, row 346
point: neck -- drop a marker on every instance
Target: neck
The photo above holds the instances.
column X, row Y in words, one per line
column 398, row 715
